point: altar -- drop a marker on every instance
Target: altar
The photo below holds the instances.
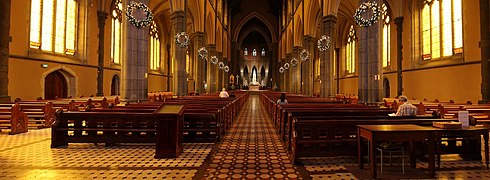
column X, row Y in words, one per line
column 254, row 88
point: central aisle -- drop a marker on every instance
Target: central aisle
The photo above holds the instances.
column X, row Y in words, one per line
column 251, row 148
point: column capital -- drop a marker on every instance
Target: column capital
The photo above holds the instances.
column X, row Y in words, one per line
column 102, row 16
column 177, row 14
column 198, row 34
column 329, row 18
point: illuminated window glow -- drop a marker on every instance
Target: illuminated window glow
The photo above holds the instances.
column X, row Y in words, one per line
column 245, row 52
column 263, row 52
column 154, row 47
column 441, row 28
column 386, row 37
column 116, row 32
column 350, row 62
column 53, row 25
column 254, row 52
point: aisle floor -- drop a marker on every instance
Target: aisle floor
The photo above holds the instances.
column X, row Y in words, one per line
column 251, row 149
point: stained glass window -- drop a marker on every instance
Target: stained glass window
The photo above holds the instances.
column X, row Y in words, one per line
column 116, row 32
column 350, row 65
column 154, row 47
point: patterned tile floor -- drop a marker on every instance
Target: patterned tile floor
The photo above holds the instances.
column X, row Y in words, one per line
column 250, row 150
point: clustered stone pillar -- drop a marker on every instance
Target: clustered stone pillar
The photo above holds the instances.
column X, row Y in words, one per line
column 180, row 75
column 296, row 71
column 370, row 73
column 212, row 84
column 399, row 58
column 135, row 63
column 307, row 78
column 485, row 50
column 274, row 66
column 4, row 49
column 220, row 72
column 101, row 18
column 287, row 74
column 327, row 57
column 198, row 40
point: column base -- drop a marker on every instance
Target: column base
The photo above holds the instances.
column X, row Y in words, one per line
column 5, row 99
column 483, row 101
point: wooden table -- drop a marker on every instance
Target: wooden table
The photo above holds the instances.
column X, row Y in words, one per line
column 400, row 133
column 466, row 133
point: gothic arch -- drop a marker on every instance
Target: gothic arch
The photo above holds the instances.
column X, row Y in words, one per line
column 247, row 18
column 70, row 77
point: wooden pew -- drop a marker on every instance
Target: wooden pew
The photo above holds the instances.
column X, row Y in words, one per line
column 119, row 127
column 13, row 118
column 335, row 137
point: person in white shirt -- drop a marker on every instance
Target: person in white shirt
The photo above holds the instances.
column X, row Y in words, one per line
column 223, row 93
column 282, row 99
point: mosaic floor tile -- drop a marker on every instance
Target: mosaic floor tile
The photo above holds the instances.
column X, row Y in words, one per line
column 251, row 149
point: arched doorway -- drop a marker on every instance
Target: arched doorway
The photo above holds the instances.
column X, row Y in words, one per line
column 115, row 84
column 386, row 88
column 55, row 86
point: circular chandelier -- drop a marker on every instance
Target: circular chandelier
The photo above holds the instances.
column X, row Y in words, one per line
column 214, row 59
column 137, row 22
column 324, row 43
column 281, row 70
column 203, row 53
column 294, row 62
column 304, row 55
column 226, row 68
column 182, row 39
column 362, row 8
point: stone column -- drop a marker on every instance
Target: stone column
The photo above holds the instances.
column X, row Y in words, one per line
column 211, row 74
column 296, row 71
column 370, row 73
column 287, row 74
column 308, row 66
column 135, row 62
column 485, row 50
column 198, row 40
column 180, row 75
column 327, row 57
column 4, row 49
column 220, row 71
column 101, row 18
column 274, row 65
column 399, row 58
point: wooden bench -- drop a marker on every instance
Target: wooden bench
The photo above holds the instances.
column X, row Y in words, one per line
column 334, row 137
column 120, row 127
column 13, row 118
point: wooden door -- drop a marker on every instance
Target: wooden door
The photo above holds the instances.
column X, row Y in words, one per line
column 55, row 86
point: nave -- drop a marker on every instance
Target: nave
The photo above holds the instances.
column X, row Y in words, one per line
column 251, row 149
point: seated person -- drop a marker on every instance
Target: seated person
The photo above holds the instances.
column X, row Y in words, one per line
column 282, row 99
column 406, row 109
column 223, row 93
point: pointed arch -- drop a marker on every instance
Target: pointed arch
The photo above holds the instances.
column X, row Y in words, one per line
column 259, row 16
column 68, row 74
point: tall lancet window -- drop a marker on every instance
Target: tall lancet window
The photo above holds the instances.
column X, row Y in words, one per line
column 254, row 52
column 245, row 52
column 53, row 26
column 350, row 60
column 154, row 47
column 441, row 28
column 263, row 52
column 386, row 36
column 116, row 32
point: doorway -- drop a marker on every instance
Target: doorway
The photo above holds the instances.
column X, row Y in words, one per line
column 55, row 86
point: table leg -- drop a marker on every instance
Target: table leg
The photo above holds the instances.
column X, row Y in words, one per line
column 372, row 153
column 485, row 137
column 413, row 162
column 432, row 171
column 359, row 150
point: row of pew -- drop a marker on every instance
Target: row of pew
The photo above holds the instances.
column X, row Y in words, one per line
column 328, row 128
column 19, row 116
column 205, row 120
